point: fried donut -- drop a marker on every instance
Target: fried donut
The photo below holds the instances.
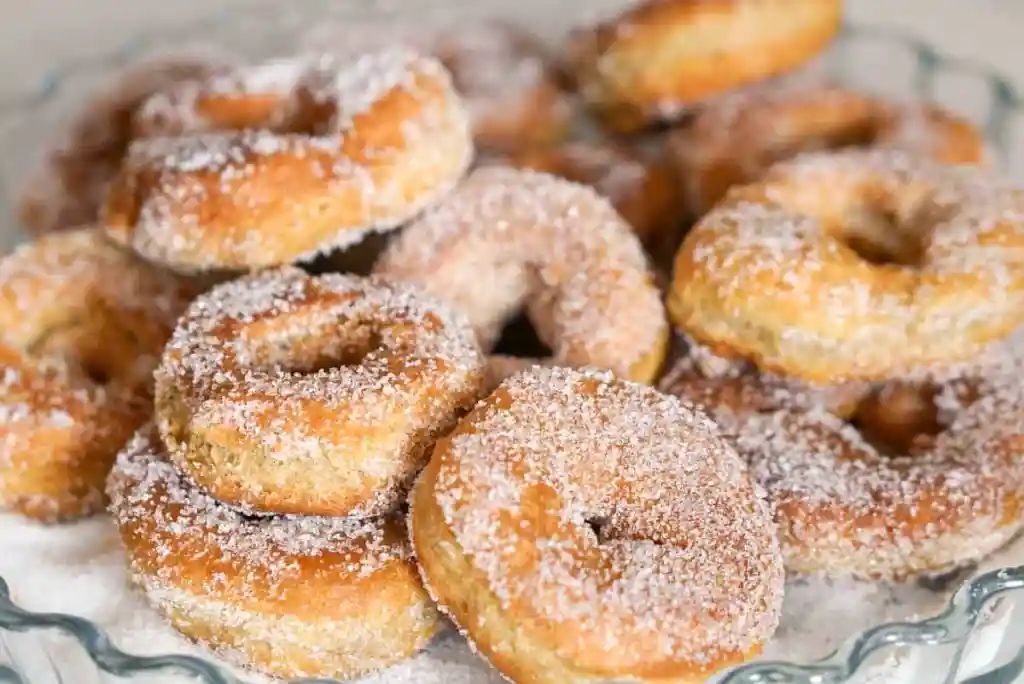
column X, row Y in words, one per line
column 644, row 192
column 67, row 187
column 509, row 86
column 258, row 96
column 313, row 395
column 288, row 596
column 660, row 57
column 581, row 529
column 735, row 139
column 855, row 266
column 845, row 509
column 507, row 237
column 82, row 324
column 391, row 138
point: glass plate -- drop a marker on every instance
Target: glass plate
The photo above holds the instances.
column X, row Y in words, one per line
column 978, row 638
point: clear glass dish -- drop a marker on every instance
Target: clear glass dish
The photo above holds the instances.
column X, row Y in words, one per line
column 977, row 639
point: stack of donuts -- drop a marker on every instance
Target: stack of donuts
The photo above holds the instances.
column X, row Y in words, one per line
column 269, row 324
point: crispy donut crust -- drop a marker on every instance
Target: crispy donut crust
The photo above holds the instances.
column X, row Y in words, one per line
column 508, row 238
column 735, row 139
column 500, row 524
column 289, row 596
column 785, row 272
column 390, row 136
column 320, row 395
column 67, row 188
column 660, row 57
column 82, row 324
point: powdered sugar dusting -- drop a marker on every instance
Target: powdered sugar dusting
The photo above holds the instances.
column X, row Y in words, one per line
column 507, row 237
column 684, row 560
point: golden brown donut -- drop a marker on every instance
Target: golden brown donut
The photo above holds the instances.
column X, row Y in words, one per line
column 660, row 57
column 855, row 266
column 82, row 324
column 736, row 138
column 508, row 238
column 313, row 395
column 583, row 529
column 390, row 138
column 263, row 95
column 287, row 596
column 508, row 84
column 644, row 192
column 67, row 187
column 846, row 509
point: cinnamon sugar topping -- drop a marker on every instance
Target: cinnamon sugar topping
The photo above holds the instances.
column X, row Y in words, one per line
column 684, row 558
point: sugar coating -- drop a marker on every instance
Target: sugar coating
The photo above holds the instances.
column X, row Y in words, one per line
column 765, row 239
column 684, row 559
column 176, row 110
column 266, row 545
column 178, row 177
column 246, row 579
column 849, row 510
column 507, row 237
column 59, row 295
column 249, row 357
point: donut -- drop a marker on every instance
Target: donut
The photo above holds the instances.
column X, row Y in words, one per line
column 580, row 528
column 82, row 324
column 508, row 84
column 506, row 238
column 390, row 137
column 735, row 139
column 66, row 188
column 644, row 192
column 854, row 266
column 263, row 96
column 846, row 509
column 659, row 58
column 308, row 395
column 287, row 596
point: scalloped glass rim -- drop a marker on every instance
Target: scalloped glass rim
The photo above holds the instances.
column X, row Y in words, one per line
column 952, row 627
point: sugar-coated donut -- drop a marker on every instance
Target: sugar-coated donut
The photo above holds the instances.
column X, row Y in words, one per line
column 82, row 324
column 660, row 57
column 855, row 266
column 845, row 509
column 67, row 187
column 288, row 596
column 738, row 137
column 313, row 395
column 263, row 95
column 507, row 237
column 508, row 84
column 644, row 191
column 582, row 529
column 390, row 137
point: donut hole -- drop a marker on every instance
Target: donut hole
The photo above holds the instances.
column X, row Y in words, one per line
column 308, row 349
column 519, row 338
column 876, row 236
column 899, row 418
